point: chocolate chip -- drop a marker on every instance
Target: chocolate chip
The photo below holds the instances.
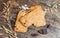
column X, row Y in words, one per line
column 42, row 31
column 34, row 34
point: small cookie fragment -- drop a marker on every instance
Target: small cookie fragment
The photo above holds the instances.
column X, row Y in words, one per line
column 36, row 17
column 25, row 19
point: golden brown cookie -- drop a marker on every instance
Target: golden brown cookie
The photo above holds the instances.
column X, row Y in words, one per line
column 36, row 17
column 25, row 19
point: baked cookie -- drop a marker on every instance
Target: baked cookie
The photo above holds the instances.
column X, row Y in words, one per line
column 25, row 19
column 36, row 17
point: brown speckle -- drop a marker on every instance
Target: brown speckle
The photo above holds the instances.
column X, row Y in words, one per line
column 24, row 23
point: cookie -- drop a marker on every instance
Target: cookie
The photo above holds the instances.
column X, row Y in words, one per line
column 36, row 17
column 25, row 19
